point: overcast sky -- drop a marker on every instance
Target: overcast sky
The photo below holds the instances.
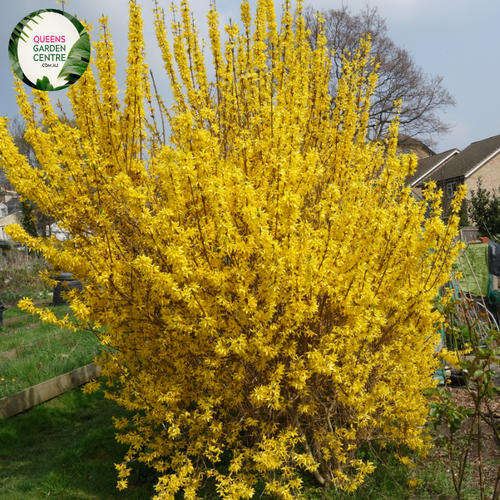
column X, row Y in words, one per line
column 457, row 39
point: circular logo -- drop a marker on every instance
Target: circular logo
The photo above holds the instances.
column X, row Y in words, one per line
column 49, row 49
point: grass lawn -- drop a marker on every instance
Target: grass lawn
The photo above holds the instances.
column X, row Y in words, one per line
column 66, row 449
column 53, row 351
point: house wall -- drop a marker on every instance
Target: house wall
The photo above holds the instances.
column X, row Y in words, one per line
column 490, row 176
column 6, row 195
column 418, row 150
column 446, row 200
column 14, row 218
column 417, row 191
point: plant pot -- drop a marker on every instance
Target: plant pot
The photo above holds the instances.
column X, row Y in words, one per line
column 66, row 283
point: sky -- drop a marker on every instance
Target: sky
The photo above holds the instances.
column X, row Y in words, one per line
column 457, row 39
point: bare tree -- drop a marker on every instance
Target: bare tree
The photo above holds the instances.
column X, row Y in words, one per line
column 399, row 77
column 18, row 129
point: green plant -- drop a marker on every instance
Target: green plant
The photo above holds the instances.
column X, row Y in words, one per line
column 458, row 337
column 484, row 209
column 444, row 410
column 480, row 383
column 463, row 214
column 18, row 280
column 28, row 220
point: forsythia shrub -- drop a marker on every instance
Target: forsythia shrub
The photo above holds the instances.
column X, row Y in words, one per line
column 263, row 279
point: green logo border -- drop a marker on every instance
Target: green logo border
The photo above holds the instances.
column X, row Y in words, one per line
column 76, row 63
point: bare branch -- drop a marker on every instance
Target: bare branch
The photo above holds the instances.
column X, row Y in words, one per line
column 399, row 78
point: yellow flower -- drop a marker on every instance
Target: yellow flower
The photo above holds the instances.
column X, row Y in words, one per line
column 260, row 279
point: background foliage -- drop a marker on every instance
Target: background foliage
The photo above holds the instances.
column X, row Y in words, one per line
column 484, row 210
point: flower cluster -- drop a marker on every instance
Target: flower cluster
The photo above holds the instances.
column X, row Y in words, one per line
column 262, row 281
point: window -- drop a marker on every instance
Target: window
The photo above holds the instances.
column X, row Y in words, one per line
column 451, row 187
column 3, row 212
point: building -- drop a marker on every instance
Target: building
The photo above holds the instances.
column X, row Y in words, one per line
column 480, row 159
column 428, row 166
column 10, row 212
column 410, row 145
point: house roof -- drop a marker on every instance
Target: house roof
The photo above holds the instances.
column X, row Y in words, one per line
column 469, row 160
column 430, row 164
column 411, row 142
column 13, row 205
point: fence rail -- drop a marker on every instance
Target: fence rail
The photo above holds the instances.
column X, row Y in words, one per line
column 24, row 400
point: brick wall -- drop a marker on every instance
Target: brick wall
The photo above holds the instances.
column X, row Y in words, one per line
column 490, row 176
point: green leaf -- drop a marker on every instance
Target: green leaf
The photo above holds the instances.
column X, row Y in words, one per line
column 433, row 413
column 63, row 86
column 17, row 70
column 18, row 34
column 77, row 24
column 44, row 84
column 482, row 353
column 77, row 60
column 25, row 23
column 14, row 61
column 36, row 14
column 81, row 48
column 73, row 67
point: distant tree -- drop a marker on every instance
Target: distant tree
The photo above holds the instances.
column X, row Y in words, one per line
column 484, row 210
column 17, row 128
column 463, row 214
column 28, row 220
column 4, row 181
column 399, row 77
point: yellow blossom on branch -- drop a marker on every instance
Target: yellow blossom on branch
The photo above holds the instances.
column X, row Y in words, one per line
column 261, row 280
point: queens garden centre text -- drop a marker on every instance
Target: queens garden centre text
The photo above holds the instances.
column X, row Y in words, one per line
column 49, row 51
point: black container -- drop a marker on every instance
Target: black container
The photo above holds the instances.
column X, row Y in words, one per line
column 66, row 283
column 2, row 309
